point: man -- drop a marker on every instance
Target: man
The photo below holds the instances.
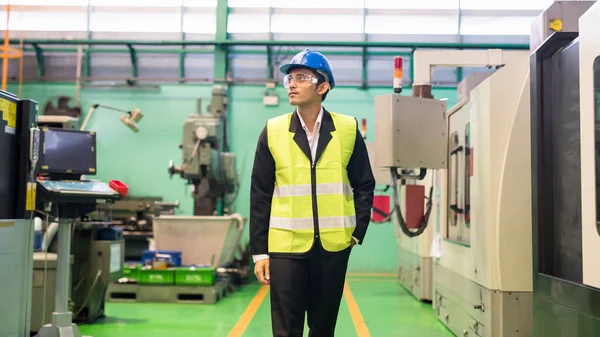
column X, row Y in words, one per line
column 311, row 198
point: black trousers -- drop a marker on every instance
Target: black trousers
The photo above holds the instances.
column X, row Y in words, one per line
column 313, row 285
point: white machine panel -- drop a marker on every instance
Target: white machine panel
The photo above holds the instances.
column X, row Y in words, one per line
column 16, row 265
column 472, row 80
column 410, row 132
column 382, row 175
column 589, row 50
column 498, row 254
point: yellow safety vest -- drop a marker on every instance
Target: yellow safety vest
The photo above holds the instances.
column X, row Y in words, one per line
column 293, row 223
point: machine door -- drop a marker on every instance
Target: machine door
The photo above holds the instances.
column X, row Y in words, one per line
column 589, row 72
column 459, row 151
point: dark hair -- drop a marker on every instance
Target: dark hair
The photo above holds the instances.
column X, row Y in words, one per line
column 320, row 79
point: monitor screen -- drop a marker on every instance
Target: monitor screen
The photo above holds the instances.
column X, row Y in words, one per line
column 68, row 151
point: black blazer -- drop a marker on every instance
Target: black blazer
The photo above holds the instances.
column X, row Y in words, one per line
column 263, row 181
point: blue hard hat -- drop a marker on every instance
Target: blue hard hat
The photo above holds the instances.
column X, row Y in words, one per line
column 313, row 60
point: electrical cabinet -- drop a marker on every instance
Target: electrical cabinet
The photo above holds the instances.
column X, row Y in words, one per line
column 410, row 132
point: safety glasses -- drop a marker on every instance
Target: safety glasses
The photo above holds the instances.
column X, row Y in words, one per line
column 299, row 79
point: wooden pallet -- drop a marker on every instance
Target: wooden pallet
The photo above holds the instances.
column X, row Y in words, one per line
column 143, row 293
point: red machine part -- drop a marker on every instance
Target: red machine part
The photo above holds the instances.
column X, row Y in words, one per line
column 415, row 206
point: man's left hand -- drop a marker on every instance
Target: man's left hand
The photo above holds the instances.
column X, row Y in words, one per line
column 352, row 243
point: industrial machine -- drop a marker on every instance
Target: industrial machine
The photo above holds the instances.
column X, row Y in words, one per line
column 419, row 121
column 19, row 140
column 135, row 216
column 67, row 200
column 481, row 247
column 211, row 236
column 207, row 163
column 415, row 237
column 92, row 241
column 565, row 73
column 482, row 273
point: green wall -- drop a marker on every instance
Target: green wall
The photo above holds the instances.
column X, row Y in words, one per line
column 141, row 160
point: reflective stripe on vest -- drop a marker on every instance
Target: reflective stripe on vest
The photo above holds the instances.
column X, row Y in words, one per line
column 306, row 190
column 308, row 223
column 292, row 225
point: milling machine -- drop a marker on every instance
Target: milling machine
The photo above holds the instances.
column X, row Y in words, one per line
column 212, row 235
column 207, row 163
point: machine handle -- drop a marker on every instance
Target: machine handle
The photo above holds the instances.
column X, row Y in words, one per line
column 456, row 150
column 467, row 184
column 456, row 209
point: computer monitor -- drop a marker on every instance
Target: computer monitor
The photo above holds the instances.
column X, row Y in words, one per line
column 65, row 151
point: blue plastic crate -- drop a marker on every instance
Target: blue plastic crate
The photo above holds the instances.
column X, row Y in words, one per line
column 148, row 255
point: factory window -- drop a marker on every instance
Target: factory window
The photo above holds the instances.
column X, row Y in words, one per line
column 317, row 4
column 17, row 3
column 200, row 23
column 247, row 23
column 248, row 3
column 68, row 21
column 411, row 24
column 496, row 25
column 313, row 24
column 155, row 22
column 409, row 4
column 506, row 4
column 145, row 3
column 200, row 3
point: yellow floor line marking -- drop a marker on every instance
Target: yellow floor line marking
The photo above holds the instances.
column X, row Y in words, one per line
column 370, row 280
column 359, row 322
column 372, row 274
column 242, row 324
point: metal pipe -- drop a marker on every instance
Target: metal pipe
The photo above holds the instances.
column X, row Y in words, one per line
column 78, row 76
column 239, row 80
column 210, row 51
column 6, row 46
column 157, row 81
column 358, row 44
column 62, row 268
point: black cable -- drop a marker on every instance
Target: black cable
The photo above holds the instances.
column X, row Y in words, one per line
column 397, row 208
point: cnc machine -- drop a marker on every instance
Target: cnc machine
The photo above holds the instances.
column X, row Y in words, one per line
column 482, row 272
column 415, row 237
column 565, row 110
column 481, row 245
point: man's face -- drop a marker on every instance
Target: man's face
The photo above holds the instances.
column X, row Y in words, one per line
column 303, row 89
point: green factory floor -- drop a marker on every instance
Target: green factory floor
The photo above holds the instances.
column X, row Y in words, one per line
column 374, row 306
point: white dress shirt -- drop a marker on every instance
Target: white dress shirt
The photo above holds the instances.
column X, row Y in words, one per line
column 313, row 140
